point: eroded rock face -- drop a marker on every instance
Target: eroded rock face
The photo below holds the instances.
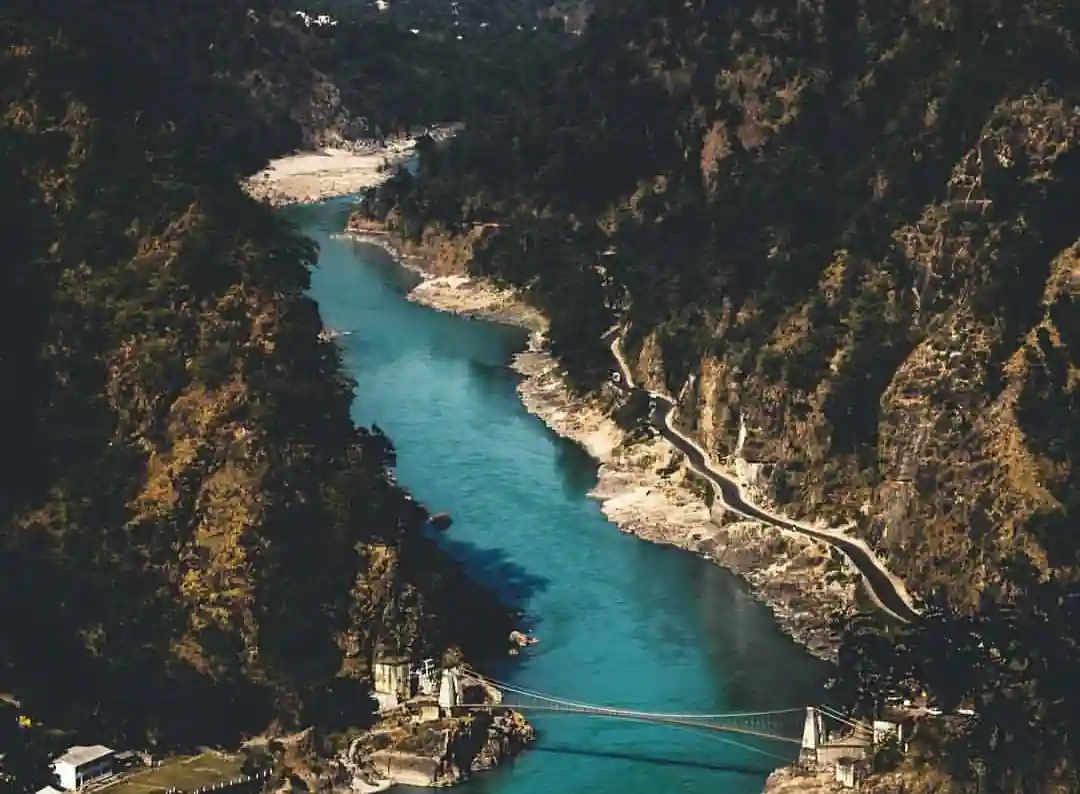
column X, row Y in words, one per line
column 490, row 742
column 944, row 458
column 439, row 753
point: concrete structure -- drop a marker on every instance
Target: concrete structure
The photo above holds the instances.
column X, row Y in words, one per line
column 407, row 769
column 429, row 711
column 427, row 678
column 883, row 729
column 846, row 772
column 81, row 765
column 818, row 749
column 831, row 752
column 449, row 690
column 393, row 684
column 813, row 731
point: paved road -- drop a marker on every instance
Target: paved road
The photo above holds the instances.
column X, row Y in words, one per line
column 884, row 590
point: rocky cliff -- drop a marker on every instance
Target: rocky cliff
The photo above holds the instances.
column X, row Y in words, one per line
column 441, row 752
column 199, row 541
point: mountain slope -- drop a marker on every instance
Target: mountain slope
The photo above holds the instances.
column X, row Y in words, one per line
column 197, row 539
column 849, row 224
column 848, row 227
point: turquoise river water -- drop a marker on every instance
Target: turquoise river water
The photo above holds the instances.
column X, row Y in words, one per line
column 621, row 622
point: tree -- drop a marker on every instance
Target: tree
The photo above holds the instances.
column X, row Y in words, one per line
column 27, row 753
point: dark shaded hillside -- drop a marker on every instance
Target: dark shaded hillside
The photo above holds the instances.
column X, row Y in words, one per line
column 391, row 78
column 852, row 226
column 194, row 539
column 435, row 16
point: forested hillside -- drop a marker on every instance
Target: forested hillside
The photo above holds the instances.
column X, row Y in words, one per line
column 440, row 17
column 851, row 225
column 387, row 78
column 194, row 539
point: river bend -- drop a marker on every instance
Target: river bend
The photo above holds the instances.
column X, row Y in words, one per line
column 622, row 622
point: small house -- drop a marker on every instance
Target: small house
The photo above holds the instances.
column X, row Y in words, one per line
column 884, row 729
column 393, row 684
column 427, row 710
column 83, row 764
column 847, row 772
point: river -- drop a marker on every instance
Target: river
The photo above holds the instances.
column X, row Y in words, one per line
column 621, row 622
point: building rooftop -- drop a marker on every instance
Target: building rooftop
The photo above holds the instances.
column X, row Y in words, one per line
column 392, row 660
column 80, row 754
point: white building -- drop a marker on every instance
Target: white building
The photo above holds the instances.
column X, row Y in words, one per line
column 449, row 690
column 316, row 21
column 883, row 729
column 81, row 765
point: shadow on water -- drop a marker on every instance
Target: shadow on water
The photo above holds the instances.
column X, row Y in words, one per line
column 655, row 760
column 400, row 278
column 575, row 467
column 488, row 371
column 492, row 568
column 328, row 216
column 671, row 581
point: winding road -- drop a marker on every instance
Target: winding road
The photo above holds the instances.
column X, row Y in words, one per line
column 886, row 589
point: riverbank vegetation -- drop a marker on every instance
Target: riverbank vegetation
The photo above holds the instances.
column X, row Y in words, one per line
column 851, row 226
column 195, row 541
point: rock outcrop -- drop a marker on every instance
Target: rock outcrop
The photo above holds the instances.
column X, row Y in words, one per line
column 442, row 752
column 178, row 414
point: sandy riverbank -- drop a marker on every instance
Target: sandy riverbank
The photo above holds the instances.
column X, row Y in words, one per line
column 637, row 492
column 315, row 176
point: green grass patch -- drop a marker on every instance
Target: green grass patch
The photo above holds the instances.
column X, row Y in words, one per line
column 187, row 774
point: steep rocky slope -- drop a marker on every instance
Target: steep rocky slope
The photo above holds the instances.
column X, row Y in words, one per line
column 195, row 541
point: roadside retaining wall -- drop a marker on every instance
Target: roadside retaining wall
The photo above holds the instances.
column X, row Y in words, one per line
column 245, row 784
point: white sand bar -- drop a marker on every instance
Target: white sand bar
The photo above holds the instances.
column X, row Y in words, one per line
column 314, row 176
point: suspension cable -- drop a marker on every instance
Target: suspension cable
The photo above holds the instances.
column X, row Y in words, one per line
column 830, row 712
column 628, row 712
column 699, row 726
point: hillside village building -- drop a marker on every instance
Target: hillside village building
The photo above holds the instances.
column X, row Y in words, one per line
column 81, row 765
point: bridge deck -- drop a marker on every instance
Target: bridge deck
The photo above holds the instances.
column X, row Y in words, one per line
column 760, row 725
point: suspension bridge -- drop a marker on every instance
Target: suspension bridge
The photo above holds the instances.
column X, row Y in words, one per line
column 785, row 733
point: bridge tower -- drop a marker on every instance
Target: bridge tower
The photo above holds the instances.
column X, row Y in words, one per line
column 813, row 735
column 449, row 691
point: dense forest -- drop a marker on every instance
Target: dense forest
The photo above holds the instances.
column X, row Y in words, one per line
column 466, row 18
column 195, row 541
column 387, row 78
column 851, row 225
